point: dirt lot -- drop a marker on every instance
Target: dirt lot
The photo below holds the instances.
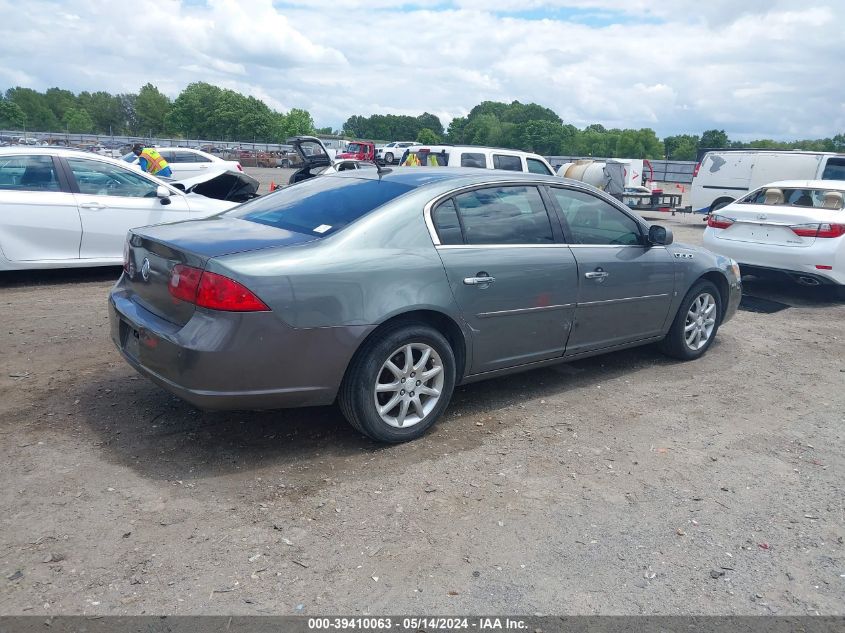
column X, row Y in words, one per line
column 622, row 484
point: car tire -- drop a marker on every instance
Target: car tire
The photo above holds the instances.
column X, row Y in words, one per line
column 372, row 396
column 684, row 339
column 388, row 159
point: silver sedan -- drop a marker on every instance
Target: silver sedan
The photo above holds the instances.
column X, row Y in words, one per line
column 382, row 291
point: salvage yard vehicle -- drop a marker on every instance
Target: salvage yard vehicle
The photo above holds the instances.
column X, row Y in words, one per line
column 358, row 150
column 314, row 159
column 792, row 228
column 725, row 175
column 475, row 156
column 63, row 208
column 186, row 162
column 392, row 152
column 385, row 289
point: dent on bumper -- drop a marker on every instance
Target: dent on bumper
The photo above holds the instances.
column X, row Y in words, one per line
column 222, row 360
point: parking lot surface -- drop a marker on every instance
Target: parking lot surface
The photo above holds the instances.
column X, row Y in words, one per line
column 622, row 484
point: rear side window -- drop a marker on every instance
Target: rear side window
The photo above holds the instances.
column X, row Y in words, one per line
column 473, row 160
column 504, row 215
column 537, row 167
column 28, row 173
column 508, row 163
column 320, row 206
column 446, row 223
column 834, row 169
column 190, row 157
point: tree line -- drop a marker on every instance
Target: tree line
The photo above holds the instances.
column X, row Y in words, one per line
column 204, row 110
column 535, row 128
column 201, row 110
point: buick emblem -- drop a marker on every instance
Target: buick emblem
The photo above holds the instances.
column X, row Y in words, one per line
column 145, row 270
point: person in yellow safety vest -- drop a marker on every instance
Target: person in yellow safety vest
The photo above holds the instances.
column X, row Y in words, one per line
column 411, row 160
column 432, row 161
column 151, row 161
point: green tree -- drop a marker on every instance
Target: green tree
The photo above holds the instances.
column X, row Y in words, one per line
column 60, row 101
column 427, row 137
column 11, row 115
column 39, row 116
column 681, row 147
column 714, row 139
column 151, row 109
column 78, row 120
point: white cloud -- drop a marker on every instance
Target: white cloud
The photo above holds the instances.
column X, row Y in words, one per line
column 755, row 68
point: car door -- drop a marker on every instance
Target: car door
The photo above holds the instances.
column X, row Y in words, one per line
column 39, row 219
column 514, row 282
column 625, row 286
column 112, row 200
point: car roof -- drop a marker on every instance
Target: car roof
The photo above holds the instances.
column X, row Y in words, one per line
column 422, row 176
column 463, row 148
column 53, row 151
column 806, row 184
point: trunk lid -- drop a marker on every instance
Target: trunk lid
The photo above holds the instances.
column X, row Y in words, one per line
column 766, row 224
column 153, row 251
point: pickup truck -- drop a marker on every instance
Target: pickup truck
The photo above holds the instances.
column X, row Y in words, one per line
column 359, row 150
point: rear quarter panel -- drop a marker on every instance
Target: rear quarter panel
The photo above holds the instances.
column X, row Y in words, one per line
column 378, row 267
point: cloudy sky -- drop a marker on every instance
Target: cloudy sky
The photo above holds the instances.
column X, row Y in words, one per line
column 756, row 68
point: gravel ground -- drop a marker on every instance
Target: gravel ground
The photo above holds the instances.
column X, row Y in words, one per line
column 622, row 484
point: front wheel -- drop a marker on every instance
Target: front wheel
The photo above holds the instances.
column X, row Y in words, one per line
column 388, row 159
column 695, row 324
column 399, row 384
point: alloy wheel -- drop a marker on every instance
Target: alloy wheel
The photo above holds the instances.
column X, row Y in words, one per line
column 409, row 385
column 700, row 321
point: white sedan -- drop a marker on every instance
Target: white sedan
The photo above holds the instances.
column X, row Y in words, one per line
column 791, row 227
column 63, row 208
column 186, row 162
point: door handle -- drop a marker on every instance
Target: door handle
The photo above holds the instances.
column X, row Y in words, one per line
column 203, row 166
column 96, row 206
column 596, row 274
column 482, row 279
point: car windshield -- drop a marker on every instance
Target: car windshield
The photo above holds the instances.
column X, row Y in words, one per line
column 354, row 148
column 320, row 206
column 129, row 158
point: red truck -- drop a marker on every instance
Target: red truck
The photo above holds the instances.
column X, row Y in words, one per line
column 359, row 150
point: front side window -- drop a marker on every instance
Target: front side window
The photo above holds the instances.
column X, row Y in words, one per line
column 320, row 206
column 504, row 215
column 102, row 179
column 591, row 220
column 28, row 173
column 508, row 163
column 537, row 167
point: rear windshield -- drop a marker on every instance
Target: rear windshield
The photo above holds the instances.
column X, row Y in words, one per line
column 796, row 197
column 425, row 158
column 320, row 206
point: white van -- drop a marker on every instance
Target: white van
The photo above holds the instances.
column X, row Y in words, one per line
column 724, row 176
column 474, row 156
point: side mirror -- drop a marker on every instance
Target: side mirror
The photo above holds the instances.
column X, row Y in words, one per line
column 659, row 235
column 163, row 194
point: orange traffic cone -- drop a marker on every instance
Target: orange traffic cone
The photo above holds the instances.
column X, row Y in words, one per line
column 272, row 186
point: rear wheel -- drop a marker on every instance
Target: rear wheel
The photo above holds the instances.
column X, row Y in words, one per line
column 399, row 384
column 695, row 324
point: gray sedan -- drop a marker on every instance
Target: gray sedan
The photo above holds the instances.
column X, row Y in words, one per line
column 383, row 290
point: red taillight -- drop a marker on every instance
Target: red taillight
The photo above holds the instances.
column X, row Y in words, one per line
column 695, row 170
column 718, row 222
column 184, row 281
column 825, row 229
column 126, row 257
column 239, row 167
column 823, row 267
column 213, row 291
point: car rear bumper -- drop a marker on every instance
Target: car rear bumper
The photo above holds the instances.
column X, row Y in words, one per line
column 225, row 360
column 791, row 260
